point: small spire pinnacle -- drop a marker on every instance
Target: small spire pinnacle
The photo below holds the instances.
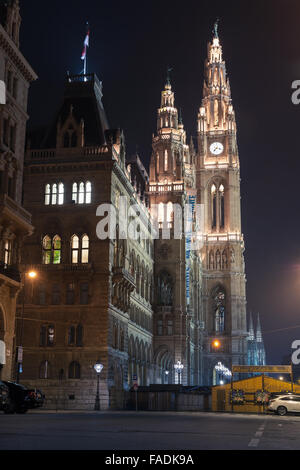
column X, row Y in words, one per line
column 180, row 117
column 259, row 338
column 168, row 82
column 251, row 327
column 215, row 30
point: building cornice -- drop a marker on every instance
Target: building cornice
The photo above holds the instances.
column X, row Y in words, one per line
column 16, row 56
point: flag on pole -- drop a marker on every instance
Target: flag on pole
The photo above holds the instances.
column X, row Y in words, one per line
column 86, row 43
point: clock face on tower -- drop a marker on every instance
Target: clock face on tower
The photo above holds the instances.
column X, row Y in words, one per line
column 216, row 148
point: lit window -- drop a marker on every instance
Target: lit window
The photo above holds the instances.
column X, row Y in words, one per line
column 166, row 161
column 88, row 193
column 81, row 193
column 157, row 162
column 60, row 194
column 169, row 212
column 47, row 249
column 56, row 250
column 7, row 252
column 85, row 249
column 47, row 194
column 75, row 249
column 54, row 195
column 161, row 212
column 80, row 249
column 74, row 192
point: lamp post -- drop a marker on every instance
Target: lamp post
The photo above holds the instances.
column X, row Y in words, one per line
column 98, row 368
column 178, row 368
column 167, row 375
column 223, row 372
column 19, row 354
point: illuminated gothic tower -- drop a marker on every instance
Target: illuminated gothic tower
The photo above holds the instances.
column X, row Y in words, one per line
column 218, row 185
column 177, row 271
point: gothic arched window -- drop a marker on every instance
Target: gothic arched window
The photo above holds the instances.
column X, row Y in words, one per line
column 166, row 161
column 75, row 249
column 165, row 289
column 82, row 192
column 213, row 206
column 221, row 206
column 74, row 192
column 85, row 243
column 170, row 213
column 47, row 249
column 54, row 194
column 219, row 311
column 217, row 206
column 80, row 249
column 56, row 249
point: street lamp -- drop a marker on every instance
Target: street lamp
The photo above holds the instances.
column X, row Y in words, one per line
column 32, row 275
column 98, row 368
column 178, row 368
column 167, row 375
column 223, row 371
column 216, row 344
column 281, row 378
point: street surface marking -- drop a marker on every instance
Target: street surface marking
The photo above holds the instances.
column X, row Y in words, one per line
column 253, row 443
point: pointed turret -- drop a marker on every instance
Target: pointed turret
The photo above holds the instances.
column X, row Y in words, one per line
column 169, row 145
column 216, row 112
column 167, row 113
column 259, row 337
column 251, row 336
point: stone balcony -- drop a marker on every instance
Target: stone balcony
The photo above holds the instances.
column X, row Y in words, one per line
column 14, row 213
column 124, row 284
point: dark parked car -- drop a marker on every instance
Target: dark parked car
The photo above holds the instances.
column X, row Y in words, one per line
column 21, row 399
column 4, row 395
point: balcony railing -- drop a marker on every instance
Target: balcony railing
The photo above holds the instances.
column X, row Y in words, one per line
column 169, row 187
column 62, row 153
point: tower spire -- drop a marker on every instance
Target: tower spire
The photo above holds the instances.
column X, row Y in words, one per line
column 251, row 336
column 259, row 338
column 168, row 82
column 215, row 30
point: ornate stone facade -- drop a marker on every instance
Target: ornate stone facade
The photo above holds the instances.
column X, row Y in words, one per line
column 139, row 305
column 15, row 222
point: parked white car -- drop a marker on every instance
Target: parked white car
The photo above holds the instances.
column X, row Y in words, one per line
column 284, row 404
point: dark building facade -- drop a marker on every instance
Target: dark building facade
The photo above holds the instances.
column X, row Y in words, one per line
column 15, row 221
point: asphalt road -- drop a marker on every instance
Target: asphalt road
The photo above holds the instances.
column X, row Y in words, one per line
column 147, row 431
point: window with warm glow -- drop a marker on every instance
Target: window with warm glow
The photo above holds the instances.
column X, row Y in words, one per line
column 166, row 162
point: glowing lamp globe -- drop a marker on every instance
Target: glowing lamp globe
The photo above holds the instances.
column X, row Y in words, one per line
column 98, row 367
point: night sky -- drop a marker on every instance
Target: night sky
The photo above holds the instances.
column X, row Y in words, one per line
column 131, row 45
